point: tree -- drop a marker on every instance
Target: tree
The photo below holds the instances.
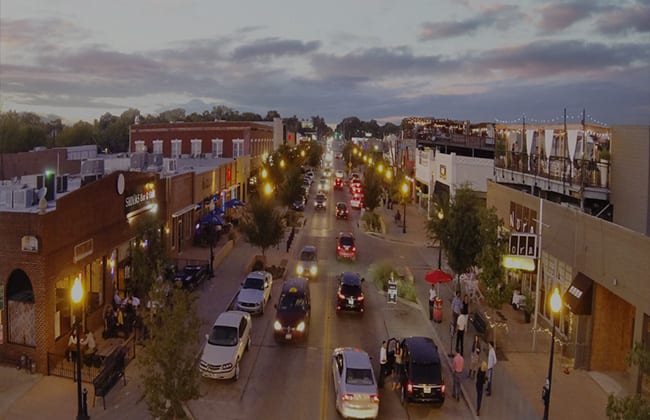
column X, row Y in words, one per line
column 633, row 406
column 494, row 246
column 270, row 115
column 291, row 189
column 314, row 153
column 372, row 188
column 148, row 256
column 262, row 224
column 169, row 366
column 458, row 230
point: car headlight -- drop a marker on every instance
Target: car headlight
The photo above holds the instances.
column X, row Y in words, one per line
column 301, row 326
column 300, row 269
column 313, row 270
column 226, row 366
column 277, row 326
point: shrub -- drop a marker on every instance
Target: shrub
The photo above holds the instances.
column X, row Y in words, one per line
column 406, row 290
column 371, row 220
column 258, row 265
column 380, row 273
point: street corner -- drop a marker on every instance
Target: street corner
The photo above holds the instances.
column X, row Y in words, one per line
column 404, row 320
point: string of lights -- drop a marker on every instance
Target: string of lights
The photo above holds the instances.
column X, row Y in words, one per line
column 554, row 120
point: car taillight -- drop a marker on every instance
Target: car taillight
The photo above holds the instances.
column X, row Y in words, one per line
column 354, row 249
column 347, row 397
column 338, row 247
column 443, row 388
column 374, row 398
column 360, row 298
column 409, row 387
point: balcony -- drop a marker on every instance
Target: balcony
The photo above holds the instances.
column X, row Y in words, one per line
column 578, row 178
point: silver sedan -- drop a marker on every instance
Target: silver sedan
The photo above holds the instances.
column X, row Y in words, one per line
column 354, row 384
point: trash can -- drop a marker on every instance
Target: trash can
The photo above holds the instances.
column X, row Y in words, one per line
column 437, row 309
column 391, row 294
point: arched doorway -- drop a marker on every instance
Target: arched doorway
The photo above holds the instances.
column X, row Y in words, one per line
column 20, row 310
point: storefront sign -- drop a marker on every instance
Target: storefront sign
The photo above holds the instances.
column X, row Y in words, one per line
column 523, row 244
column 29, row 244
column 139, row 198
column 83, row 250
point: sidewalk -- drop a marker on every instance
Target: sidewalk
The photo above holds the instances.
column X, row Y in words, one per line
column 520, row 373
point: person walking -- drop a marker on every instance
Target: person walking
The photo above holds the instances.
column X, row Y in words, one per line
column 456, row 307
column 465, row 308
column 383, row 363
column 458, row 366
column 491, row 362
column 397, row 367
column 480, row 381
column 432, row 299
column 461, row 325
column 474, row 357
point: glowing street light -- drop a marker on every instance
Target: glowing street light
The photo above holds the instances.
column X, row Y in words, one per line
column 282, row 164
column 405, row 191
column 268, row 189
column 556, row 305
column 265, row 173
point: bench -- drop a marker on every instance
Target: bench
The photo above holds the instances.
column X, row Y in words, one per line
column 479, row 323
column 110, row 374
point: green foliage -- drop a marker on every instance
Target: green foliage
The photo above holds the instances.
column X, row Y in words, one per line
column 372, row 188
column 493, row 247
column 291, row 188
column 379, row 272
column 458, row 230
column 372, row 221
column 314, row 154
column 262, row 225
column 406, row 290
column 148, row 255
column 169, row 358
column 633, row 406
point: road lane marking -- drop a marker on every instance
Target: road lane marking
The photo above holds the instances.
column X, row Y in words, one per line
column 324, row 401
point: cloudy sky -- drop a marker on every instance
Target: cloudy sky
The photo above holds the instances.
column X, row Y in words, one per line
column 480, row 60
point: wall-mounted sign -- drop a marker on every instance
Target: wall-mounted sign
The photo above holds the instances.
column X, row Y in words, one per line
column 29, row 244
column 523, row 244
column 139, row 198
column 83, row 250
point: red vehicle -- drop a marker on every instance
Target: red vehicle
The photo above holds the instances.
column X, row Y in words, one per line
column 345, row 246
column 338, row 184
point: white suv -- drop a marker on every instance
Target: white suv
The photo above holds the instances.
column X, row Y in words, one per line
column 254, row 292
column 225, row 345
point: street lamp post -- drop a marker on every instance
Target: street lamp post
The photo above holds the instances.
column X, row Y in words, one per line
column 77, row 295
column 556, row 304
column 405, row 190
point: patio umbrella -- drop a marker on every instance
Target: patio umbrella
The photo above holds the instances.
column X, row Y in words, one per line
column 233, row 203
column 437, row 276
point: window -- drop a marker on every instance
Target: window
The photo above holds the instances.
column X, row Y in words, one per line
column 237, row 148
column 196, row 147
column 63, row 306
column 94, row 284
column 140, row 146
column 217, row 147
column 158, row 147
column 176, row 148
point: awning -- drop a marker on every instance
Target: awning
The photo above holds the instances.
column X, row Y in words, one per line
column 579, row 295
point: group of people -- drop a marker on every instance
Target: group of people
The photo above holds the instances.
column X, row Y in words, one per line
column 87, row 345
column 392, row 368
column 120, row 316
column 481, row 373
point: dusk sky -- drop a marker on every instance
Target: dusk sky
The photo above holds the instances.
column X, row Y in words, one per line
column 375, row 59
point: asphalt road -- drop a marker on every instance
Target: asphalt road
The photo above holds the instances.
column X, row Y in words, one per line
column 294, row 380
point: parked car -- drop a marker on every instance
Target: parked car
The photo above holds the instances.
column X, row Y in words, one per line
column 349, row 296
column 299, row 204
column 356, row 202
column 422, row 379
column 307, row 262
column 342, row 211
column 254, row 292
column 225, row 345
column 345, row 247
column 355, row 387
column 293, row 310
column 191, row 276
column 321, row 201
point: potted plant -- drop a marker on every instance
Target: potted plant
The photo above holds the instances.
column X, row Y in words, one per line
column 529, row 305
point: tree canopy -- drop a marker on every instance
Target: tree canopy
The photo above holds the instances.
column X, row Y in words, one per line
column 262, row 224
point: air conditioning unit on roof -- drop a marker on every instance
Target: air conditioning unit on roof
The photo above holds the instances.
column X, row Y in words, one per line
column 23, row 199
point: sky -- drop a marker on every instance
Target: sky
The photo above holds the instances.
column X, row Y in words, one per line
column 483, row 61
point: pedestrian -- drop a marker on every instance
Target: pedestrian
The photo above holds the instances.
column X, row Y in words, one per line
column 491, row 362
column 288, row 243
column 461, row 325
column 474, row 356
column 458, row 366
column 71, row 351
column 456, row 307
column 397, row 367
column 480, row 381
column 109, row 322
column 465, row 308
column 432, row 300
column 88, row 344
column 383, row 363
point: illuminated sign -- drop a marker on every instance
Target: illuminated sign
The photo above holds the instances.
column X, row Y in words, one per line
column 140, row 198
column 523, row 244
column 519, row 263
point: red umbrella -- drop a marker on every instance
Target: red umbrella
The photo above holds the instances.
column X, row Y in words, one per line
column 437, row 276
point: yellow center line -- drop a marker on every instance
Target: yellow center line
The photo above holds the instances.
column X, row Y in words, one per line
column 324, row 400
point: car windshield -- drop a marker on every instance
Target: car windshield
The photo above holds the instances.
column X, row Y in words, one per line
column 253, row 283
column 307, row 256
column 341, row 207
column 291, row 303
column 346, row 241
column 358, row 377
column 350, row 290
column 425, row 373
column 222, row 335
column 320, row 197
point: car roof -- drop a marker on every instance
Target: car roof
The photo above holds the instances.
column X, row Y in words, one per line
column 230, row 318
column 257, row 274
column 422, row 350
column 346, row 234
column 308, row 248
column 355, row 358
column 295, row 285
column 350, row 278
column 341, row 203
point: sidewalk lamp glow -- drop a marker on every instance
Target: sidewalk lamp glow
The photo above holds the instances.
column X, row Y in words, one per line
column 282, row 164
column 389, row 174
column 556, row 305
column 380, row 168
column 264, row 173
column 76, row 294
column 268, row 189
column 302, row 153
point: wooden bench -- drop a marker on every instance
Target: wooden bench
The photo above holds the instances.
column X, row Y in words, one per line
column 110, row 374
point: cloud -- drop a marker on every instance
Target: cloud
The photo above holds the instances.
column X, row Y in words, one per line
column 274, row 47
column 559, row 16
column 625, row 20
column 498, row 16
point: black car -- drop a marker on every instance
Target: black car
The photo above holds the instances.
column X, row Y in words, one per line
column 293, row 310
column 349, row 296
column 191, row 276
column 299, row 204
column 422, row 380
column 342, row 211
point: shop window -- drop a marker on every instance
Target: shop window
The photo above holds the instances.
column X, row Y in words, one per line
column 63, row 306
column 94, row 285
column 20, row 309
